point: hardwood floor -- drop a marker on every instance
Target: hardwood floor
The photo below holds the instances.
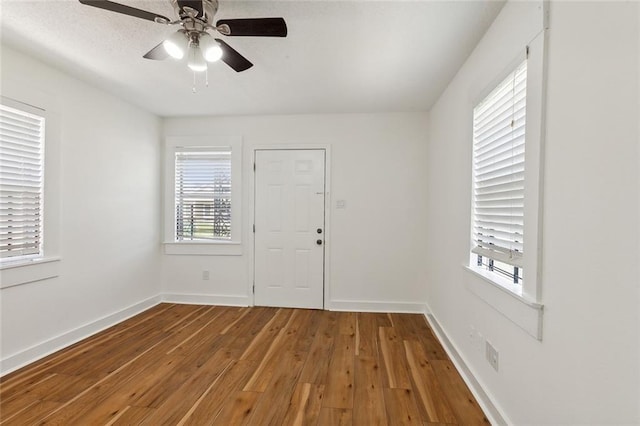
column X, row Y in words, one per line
column 211, row 365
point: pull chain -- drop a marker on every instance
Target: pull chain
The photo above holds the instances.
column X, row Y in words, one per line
column 206, row 77
column 194, row 82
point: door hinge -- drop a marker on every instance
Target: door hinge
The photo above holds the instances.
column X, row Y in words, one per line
column 254, row 287
column 254, row 228
column 254, row 167
column 527, row 57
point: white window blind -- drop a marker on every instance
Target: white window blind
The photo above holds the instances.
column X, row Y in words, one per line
column 21, row 183
column 203, row 194
column 498, row 170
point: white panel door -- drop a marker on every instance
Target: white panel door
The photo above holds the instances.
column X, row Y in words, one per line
column 289, row 228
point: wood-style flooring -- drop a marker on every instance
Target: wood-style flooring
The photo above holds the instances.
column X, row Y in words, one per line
column 212, row 365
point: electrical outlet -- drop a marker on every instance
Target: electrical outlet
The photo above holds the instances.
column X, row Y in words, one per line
column 492, row 355
column 205, row 275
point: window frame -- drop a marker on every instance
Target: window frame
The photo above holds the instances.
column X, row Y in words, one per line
column 522, row 304
column 25, row 270
column 232, row 246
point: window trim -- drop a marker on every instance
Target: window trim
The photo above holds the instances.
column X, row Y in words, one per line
column 523, row 307
column 21, row 95
column 231, row 247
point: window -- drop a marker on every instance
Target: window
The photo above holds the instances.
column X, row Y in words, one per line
column 506, row 139
column 203, row 197
column 202, row 203
column 498, row 177
column 21, row 184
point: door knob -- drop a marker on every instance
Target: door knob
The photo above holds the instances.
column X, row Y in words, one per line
column 319, row 242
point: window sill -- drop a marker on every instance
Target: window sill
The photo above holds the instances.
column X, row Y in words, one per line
column 23, row 272
column 223, row 248
column 507, row 300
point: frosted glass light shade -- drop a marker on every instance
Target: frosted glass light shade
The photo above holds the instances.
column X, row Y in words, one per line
column 175, row 45
column 196, row 60
column 210, row 48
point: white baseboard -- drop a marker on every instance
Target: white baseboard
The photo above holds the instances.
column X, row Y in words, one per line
column 34, row 353
column 206, row 299
column 362, row 306
column 494, row 414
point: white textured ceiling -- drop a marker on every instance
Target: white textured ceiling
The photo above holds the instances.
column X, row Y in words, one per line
column 339, row 56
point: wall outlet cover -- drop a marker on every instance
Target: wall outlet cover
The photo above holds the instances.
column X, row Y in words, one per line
column 492, row 355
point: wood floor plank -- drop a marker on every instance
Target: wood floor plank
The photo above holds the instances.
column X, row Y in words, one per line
column 260, row 345
column 431, row 399
column 220, row 394
column 304, row 407
column 201, row 365
column 103, row 405
column 367, row 333
column 316, row 367
column 95, row 395
column 56, row 388
column 335, row 417
column 347, row 323
column 270, row 361
column 253, row 322
column 31, row 414
column 239, row 411
column 303, row 329
column 274, row 402
column 131, row 416
column 18, row 401
column 401, row 407
column 394, row 359
column 243, row 313
column 192, row 335
column 107, row 356
column 383, row 320
column 186, row 366
column 368, row 401
column 180, row 317
column 339, row 387
column 464, row 405
column 414, row 327
column 178, row 405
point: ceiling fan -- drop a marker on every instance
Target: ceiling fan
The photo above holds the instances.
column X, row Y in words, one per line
column 195, row 18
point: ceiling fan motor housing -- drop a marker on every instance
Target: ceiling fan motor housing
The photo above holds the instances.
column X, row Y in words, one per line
column 184, row 10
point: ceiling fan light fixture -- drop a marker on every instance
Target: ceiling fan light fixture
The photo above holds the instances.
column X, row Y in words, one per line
column 196, row 61
column 211, row 50
column 175, row 45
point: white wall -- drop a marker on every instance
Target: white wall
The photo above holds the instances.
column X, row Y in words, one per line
column 377, row 241
column 109, row 223
column 586, row 369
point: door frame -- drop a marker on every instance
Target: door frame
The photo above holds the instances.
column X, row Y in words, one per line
column 250, row 161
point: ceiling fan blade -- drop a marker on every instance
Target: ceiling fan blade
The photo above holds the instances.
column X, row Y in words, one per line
column 193, row 4
column 232, row 58
column 158, row 53
column 260, row 27
column 126, row 10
